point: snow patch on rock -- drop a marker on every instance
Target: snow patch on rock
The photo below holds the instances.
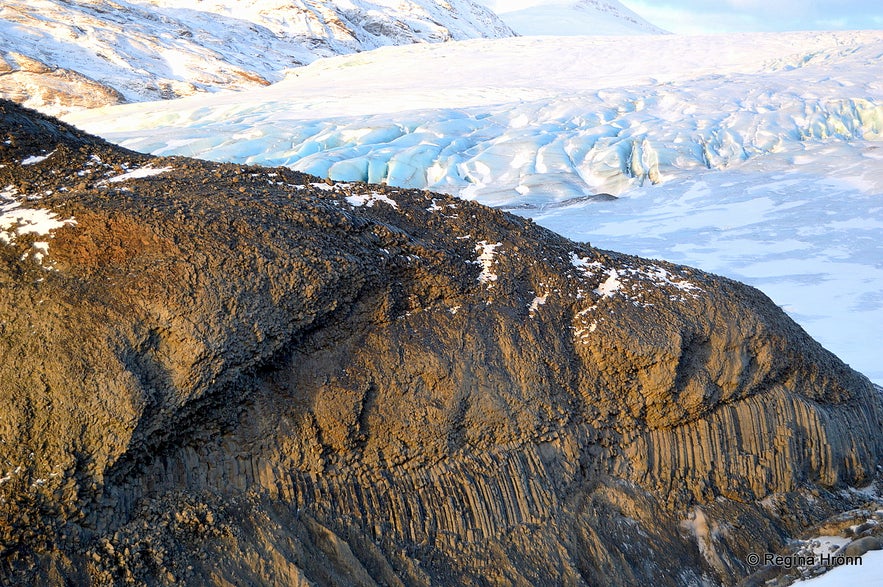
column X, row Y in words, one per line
column 146, row 171
column 536, row 303
column 611, row 285
column 34, row 159
column 368, row 200
column 583, row 263
column 486, row 260
column 16, row 221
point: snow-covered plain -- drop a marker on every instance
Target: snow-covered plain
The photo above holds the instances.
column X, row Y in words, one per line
column 757, row 156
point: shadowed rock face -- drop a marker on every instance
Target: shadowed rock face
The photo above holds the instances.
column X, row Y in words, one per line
column 225, row 374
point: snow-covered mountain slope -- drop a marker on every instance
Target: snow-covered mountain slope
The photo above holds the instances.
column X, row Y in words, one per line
column 756, row 156
column 57, row 54
column 570, row 17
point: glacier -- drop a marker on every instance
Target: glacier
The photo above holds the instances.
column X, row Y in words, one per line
column 757, row 156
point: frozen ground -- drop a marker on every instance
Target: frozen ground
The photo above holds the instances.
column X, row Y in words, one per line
column 757, row 156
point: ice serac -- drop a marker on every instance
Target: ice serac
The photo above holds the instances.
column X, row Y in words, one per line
column 135, row 51
column 227, row 374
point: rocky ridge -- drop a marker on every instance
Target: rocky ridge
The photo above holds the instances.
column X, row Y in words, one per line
column 216, row 374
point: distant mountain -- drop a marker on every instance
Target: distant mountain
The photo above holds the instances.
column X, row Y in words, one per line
column 58, row 55
column 571, row 17
column 63, row 55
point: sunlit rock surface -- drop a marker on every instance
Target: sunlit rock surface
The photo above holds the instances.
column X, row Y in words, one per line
column 214, row 373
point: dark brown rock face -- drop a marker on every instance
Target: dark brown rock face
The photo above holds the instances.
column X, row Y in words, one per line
column 218, row 374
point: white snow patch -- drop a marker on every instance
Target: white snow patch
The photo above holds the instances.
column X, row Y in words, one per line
column 436, row 208
column 661, row 276
column 826, row 544
column 770, row 501
column 368, row 200
column 486, row 260
column 583, row 263
column 611, row 285
column 869, row 491
column 34, row 159
column 41, row 250
column 537, row 302
column 142, row 172
column 16, row 221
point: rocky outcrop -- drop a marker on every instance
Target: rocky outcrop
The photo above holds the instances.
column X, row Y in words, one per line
column 221, row 374
column 33, row 83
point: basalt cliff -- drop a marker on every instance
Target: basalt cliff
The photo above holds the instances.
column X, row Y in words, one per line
column 214, row 374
